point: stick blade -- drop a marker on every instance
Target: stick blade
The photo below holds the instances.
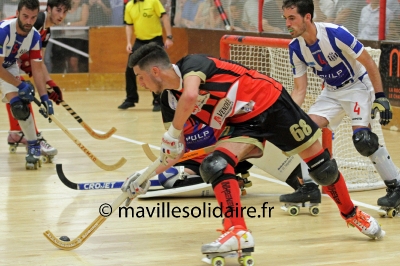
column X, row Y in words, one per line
column 64, row 179
column 64, row 245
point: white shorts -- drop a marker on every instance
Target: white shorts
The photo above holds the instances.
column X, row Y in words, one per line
column 355, row 101
column 7, row 87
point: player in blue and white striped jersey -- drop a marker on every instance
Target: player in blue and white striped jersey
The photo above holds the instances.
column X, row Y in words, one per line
column 17, row 37
column 350, row 79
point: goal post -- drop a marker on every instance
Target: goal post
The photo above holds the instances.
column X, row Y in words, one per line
column 271, row 57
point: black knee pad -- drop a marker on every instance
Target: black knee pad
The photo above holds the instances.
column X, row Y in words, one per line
column 323, row 169
column 213, row 166
column 366, row 142
column 20, row 110
column 293, row 179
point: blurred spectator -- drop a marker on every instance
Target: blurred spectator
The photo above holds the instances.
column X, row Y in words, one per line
column 236, row 16
column 394, row 25
column 368, row 26
column 347, row 14
column 272, row 16
column 250, row 15
column 117, row 12
column 64, row 59
column 99, row 13
column 8, row 8
column 189, row 13
column 323, row 10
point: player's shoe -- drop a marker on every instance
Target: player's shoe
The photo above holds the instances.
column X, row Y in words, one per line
column 364, row 223
column 392, row 198
column 309, row 192
column 45, row 147
column 15, row 139
column 33, row 155
column 234, row 238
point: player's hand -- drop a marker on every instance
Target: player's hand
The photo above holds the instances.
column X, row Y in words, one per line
column 133, row 188
column 54, row 92
column 382, row 105
column 26, row 91
column 171, row 147
column 48, row 105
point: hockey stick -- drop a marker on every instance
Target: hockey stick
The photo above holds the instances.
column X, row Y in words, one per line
column 83, row 124
column 77, row 242
column 99, row 163
column 187, row 156
column 93, row 185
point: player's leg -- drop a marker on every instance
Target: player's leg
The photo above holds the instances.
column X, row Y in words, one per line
column 218, row 168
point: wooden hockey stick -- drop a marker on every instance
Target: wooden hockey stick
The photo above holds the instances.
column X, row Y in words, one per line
column 83, row 124
column 77, row 242
column 187, row 156
column 93, row 185
column 99, row 163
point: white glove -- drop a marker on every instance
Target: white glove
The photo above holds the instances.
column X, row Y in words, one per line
column 133, row 188
column 171, row 147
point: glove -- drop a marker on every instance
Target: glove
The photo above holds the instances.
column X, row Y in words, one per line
column 382, row 105
column 171, row 147
column 26, row 91
column 48, row 105
column 56, row 94
column 133, row 188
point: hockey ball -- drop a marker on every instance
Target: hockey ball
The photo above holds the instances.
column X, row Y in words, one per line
column 65, row 238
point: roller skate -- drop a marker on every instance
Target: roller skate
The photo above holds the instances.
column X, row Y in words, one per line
column 364, row 223
column 16, row 139
column 234, row 242
column 33, row 161
column 47, row 151
column 390, row 204
column 307, row 195
column 244, row 182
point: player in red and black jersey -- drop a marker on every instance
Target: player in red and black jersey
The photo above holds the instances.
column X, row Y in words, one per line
column 255, row 108
column 54, row 15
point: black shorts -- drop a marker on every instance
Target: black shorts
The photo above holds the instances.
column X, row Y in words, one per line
column 284, row 124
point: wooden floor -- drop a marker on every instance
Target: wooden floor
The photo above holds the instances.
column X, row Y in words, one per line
column 35, row 201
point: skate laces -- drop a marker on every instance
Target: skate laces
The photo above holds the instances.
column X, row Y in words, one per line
column 231, row 231
column 359, row 220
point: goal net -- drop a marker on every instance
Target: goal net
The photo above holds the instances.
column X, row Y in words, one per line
column 271, row 57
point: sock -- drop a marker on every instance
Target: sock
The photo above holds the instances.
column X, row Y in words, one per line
column 337, row 191
column 14, row 125
column 227, row 192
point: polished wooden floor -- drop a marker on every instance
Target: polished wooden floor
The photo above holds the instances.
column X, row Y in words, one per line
column 35, row 201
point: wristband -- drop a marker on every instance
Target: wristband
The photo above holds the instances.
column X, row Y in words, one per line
column 173, row 132
column 44, row 98
column 51, row 83
column 380, row 95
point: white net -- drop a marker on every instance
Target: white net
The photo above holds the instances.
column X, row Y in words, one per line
column 358, row 171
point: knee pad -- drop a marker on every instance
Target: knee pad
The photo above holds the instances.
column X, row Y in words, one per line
column 169, row 177
column 20, row 109
column 365, row 141
column 213, row 167
column 323, row 169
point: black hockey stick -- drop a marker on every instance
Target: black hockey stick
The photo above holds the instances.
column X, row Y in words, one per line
column 93, row 185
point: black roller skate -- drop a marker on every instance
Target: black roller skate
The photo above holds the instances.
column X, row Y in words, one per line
column 308, row 195
column 390, row 204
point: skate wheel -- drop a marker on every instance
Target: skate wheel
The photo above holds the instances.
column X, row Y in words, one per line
column 248, row 184
column 246, row 261
column 45, row 159
column 293, row 210
column 12, row 149
column 218, row 261
column 391, row 213
column 314, row 210
column 244, row 192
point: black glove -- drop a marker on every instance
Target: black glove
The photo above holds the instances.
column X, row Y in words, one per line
column 382, row 105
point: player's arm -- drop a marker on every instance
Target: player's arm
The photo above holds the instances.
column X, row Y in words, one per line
column 38, row 75
column 373, row 72
column 167, row 26
column 129, row 31
column 300, row 89
column 7, row 76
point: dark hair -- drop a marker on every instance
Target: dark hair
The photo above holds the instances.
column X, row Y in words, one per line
column 57, row 3
column 149, row 55
column 29, row 4
column 304, row 7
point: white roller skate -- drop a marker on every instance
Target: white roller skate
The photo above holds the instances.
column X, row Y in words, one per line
column 16, row 139
column 33, row 161
column 234, row 242
column 390, row 204
column 364, row 223
column 47, row 151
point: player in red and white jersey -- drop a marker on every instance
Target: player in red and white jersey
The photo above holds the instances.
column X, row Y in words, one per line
column 256, row 108
column 55, row 13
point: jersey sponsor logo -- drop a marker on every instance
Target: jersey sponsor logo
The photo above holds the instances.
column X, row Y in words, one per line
column 201, row 100
column 197, row 136
column 310, row 64
column 331, row 75
column 22, row 51
column 332, row 56
column 172, row 101
column 147, row 15
column 221, row 112
column 353, row 44
column 100, row 185
column 316, row 52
